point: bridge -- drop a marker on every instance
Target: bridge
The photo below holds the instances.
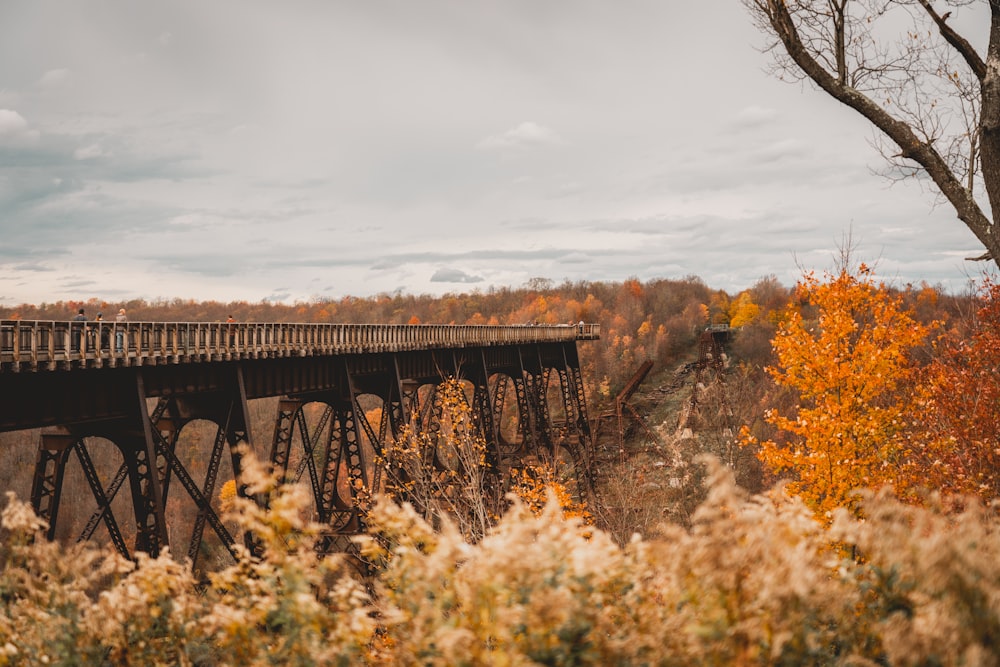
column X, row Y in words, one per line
column 138, row 384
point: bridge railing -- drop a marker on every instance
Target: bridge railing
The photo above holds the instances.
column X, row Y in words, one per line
column 48, row 345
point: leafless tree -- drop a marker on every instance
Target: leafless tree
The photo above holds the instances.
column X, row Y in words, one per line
column 899, row 63
column 442, row 470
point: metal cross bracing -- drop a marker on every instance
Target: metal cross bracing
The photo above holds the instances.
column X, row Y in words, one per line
column 324, row 434
column 711, row 356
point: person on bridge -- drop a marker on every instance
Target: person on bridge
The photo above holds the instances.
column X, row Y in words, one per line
column 120, row 320
column 79, row 328
column 103, row 333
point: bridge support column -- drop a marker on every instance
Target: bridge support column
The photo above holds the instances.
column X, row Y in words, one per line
column 343, row 514
column 147, row 443
column 134, row 439
column 46, row 486
column 531, row 401
column 336, row 440
column 576, row 436
column 542, row 432
column 228, row 410
column 483, row 416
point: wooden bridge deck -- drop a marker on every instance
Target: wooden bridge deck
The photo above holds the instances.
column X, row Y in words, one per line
column 35, row 345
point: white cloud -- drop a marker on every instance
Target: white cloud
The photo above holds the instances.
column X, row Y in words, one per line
column 54, row 77
column 14, row 130
column 525, row 135
column 88, row 152
column 12, row 123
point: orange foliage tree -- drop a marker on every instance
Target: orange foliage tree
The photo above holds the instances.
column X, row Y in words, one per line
column 536, row 485
column 742, row 310
column 958, row 439
column 848, row 364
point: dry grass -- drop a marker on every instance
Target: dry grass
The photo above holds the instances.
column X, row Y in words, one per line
column 753, row 580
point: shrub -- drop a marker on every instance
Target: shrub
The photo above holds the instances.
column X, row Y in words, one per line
column 755, row 580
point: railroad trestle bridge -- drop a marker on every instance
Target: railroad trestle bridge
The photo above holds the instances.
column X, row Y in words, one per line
column 138, row 384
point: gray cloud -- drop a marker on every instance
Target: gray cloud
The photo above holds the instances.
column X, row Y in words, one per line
column 754, row 116
column 32, row 266
column 576, row 258
column 454, row 276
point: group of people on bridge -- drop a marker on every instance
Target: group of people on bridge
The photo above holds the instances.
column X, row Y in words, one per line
column 86, row 336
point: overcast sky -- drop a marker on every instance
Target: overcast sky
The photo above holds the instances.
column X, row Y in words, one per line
column 251, row 150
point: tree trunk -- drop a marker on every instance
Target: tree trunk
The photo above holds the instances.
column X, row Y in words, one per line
column 990, row 128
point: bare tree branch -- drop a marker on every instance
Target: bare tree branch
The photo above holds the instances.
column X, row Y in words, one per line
column 961, row 44
column 937, row 101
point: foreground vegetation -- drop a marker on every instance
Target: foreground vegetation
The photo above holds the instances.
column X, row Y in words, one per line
column 753, row 580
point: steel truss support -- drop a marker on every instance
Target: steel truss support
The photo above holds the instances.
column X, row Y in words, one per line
column 397, row 406
column 540, row 435
column 506, row 450
column 342, row 516
column 147, row 443
column 291, row 419
column 227, row 409
column 335, row 439
column 334, row 449
column 531, row 400
column 525, row 415
column 482, row 406
column 711, row 354
column 50, row 468
column 133, row 437
column 342, row 424
column 583, row 422
column 577, row 436
column 103, row 511
column 103, row 503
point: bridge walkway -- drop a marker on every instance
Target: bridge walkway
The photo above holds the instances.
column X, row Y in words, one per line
column 36, row 345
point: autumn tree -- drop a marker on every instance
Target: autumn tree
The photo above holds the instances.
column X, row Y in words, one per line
column 442, row 469
column 758, row 312
column 537, row 485
column 958, row 442
column 903, row 66
column 742, row 310
column 849, row 364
